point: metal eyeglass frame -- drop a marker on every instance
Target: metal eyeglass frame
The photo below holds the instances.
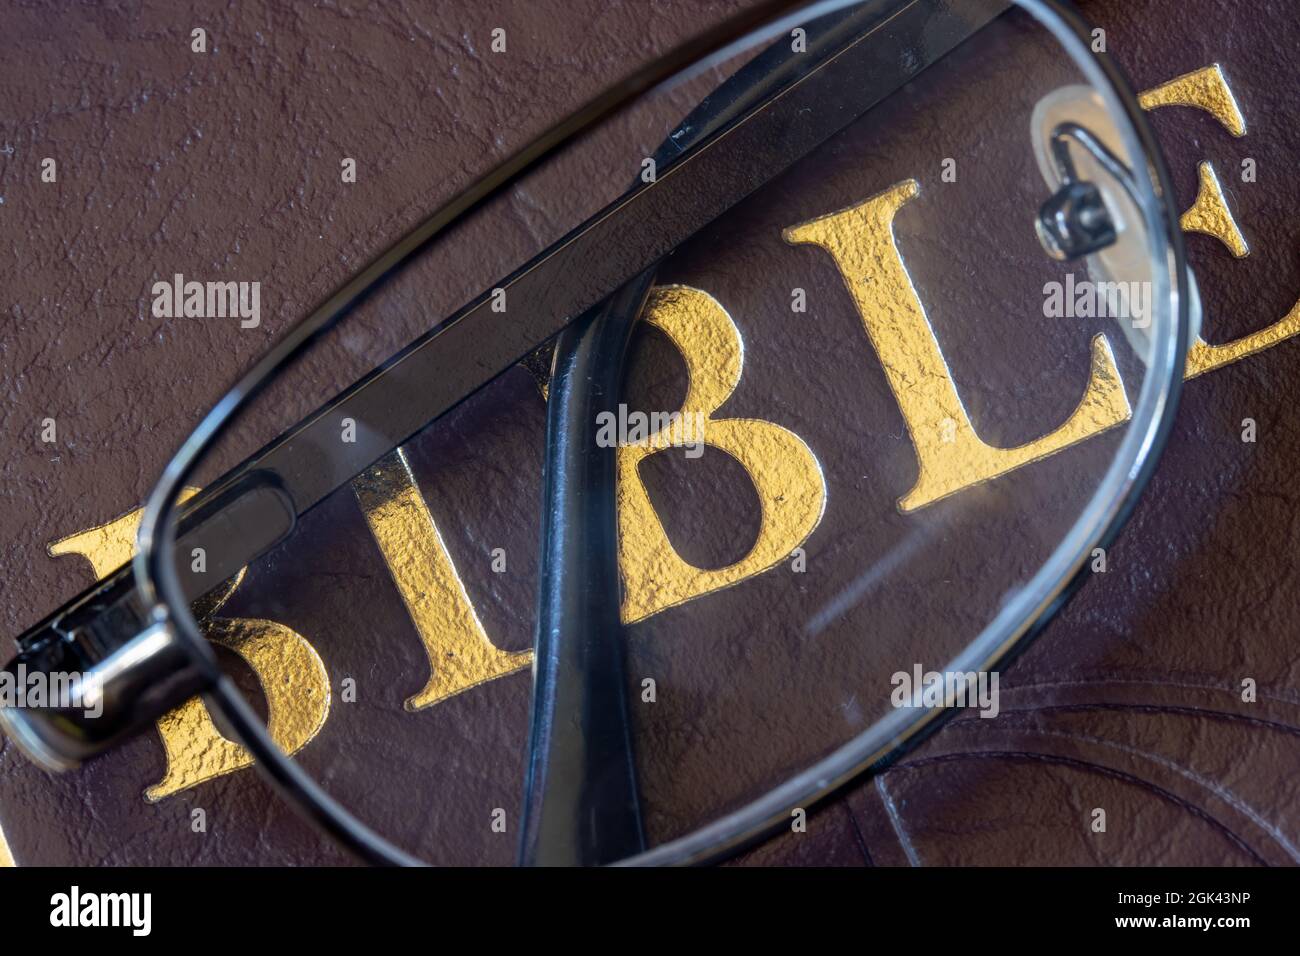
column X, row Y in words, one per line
column 1017, row 621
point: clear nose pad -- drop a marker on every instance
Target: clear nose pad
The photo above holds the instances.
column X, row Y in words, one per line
column 1091, row 214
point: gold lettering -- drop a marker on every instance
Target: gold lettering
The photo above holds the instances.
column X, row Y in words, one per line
column 460, row 654
column 110, row 545
column 1203, row 357
column 290, row 671
column 950, row 454
column 1211, row 216
column 1204, row 89
column 106, row 546
column 1208, row 90
column 785, row 473
column 297, row 690
column 6, row 855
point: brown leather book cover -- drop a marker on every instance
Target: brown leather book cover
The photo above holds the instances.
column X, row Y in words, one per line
column 1164, row 694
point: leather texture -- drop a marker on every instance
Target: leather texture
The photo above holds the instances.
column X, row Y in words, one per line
column 226, row 165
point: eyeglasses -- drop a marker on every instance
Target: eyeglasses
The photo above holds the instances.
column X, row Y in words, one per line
column 826, row 414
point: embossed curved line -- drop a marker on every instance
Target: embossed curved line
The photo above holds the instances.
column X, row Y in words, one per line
column 1269, row 703
column 1102, row 770
column 1122, row 682
column 1223, row 793
column 1151, row 708
column 896, row 821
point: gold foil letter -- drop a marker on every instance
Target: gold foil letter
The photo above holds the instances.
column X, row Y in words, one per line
column 297, row 690
column 290, row 671
column 1207, row 89
column 460, row 654
column 785, row 473
column 950, row 454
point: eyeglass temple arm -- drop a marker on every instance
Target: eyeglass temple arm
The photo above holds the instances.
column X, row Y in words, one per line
column 581, row 799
